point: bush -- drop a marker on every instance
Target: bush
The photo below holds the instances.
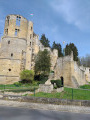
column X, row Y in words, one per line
column 53, row 81
column 52, row 71
column 58, row 83
column 55, row 87
column 27, row 75
column 41, row 78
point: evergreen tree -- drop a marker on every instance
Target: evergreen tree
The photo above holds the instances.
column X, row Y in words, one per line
column 72, row 47
column 45, row 41
column 58, row 47
column 42, row 62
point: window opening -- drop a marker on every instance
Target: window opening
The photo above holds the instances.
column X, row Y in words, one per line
column 8, row 18
column 8, row 42
column 18, row 19
column 31, row 28
column 62, row 81
column 11, row 54
column 30, row 43
column 16, row 32
column 6, row 31
column 9, row 69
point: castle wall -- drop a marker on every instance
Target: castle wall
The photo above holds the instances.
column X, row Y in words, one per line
column 9, row 71
column 78, row 73
column 15, row 47
column 87, row 74
column 11, row 25
column 63, row 69
column 72, row 74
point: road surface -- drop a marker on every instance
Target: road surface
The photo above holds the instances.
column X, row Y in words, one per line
column 11, row 113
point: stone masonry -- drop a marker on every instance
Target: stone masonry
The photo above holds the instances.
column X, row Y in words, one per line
column 18, row 47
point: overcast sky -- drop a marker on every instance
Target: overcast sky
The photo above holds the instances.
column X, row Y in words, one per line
column 59, row 20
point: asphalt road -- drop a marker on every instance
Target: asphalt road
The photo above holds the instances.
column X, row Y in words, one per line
column 10, row 113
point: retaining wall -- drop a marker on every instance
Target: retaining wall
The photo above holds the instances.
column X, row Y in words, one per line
column 46, row 100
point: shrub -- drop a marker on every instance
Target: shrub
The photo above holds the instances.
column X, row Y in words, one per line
column 53, row 81
column 27, row 75
column 52, row 71
column 41, row 78
column 58, row 83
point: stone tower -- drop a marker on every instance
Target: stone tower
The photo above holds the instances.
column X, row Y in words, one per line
column 14, row 44
column 18, row 47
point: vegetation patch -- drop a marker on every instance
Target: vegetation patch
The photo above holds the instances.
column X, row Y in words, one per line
column 68, row 93
column 85, row 86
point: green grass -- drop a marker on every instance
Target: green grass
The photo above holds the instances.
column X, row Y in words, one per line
column 18, row 87
column 47, row 95
column 78, row 94
column 85, row 86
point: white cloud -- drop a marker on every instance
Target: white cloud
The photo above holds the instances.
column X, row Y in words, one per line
column 75, row 12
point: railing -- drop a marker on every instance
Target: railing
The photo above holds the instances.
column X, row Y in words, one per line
column 75, row 94
column 21, row 90
column 68, row 93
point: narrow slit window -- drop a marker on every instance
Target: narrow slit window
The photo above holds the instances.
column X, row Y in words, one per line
column 8, row 42
column 6, row 31
column 11, row 54
column 30, row 43
column 8, row 18
column 31, row 28
column 18, row 19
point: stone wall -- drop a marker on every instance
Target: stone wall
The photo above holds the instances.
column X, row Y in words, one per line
column 10, row 24
column 72, row 74
column 47, row 100
column 87, row 74
column 45, row 88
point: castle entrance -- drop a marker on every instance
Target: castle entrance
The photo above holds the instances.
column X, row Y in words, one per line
column 62, row 81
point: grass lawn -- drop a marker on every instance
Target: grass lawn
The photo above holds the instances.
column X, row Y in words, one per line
column 76, row 94
column 18, row 87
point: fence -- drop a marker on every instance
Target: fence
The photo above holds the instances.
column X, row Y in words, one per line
column 18, row 89
column 75, row 94
column 68, row 93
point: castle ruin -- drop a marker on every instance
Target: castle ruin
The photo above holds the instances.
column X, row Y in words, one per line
column 18, row 47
